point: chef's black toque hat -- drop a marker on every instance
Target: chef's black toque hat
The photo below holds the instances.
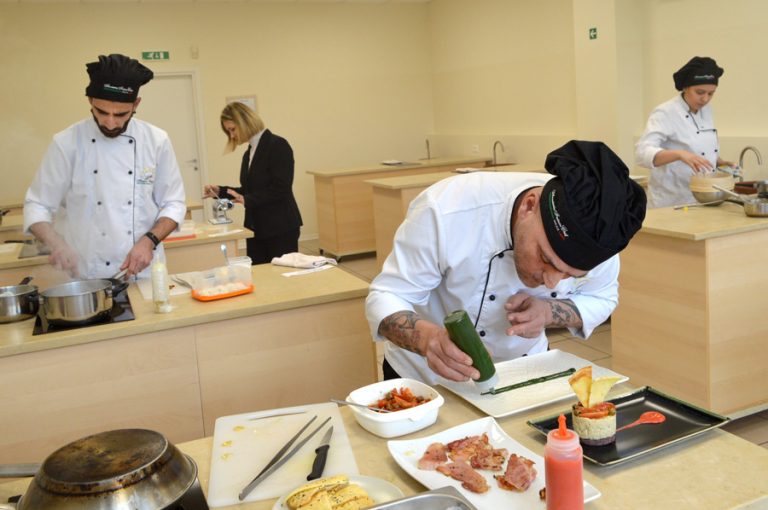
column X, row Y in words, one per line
column 591, row 209
column 116, row 78
column 698, row 71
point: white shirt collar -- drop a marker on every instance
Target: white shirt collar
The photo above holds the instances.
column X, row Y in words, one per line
column 254, row 142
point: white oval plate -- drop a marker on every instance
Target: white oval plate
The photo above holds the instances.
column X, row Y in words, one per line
column 380, row 491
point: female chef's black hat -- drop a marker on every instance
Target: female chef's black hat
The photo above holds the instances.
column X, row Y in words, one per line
column 116, row 78
column 698, row 71
column 591, row 208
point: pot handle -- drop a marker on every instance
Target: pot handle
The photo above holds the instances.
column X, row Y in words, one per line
column 26, row 280
column 730, row 193
column 18, row 470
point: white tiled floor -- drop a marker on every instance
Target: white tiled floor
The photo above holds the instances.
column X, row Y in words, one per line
column 753, row 428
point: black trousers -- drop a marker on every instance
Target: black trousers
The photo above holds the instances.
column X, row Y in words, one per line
column 262, row 251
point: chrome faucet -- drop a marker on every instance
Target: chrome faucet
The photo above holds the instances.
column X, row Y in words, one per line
column 744, row 151
column 497, row 142
column 429, row 156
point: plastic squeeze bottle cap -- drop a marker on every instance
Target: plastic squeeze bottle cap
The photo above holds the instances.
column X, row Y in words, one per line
column 562, row 438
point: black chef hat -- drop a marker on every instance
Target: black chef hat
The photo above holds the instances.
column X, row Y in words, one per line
column 591, row 209
column 116, row 78
column 698, row 71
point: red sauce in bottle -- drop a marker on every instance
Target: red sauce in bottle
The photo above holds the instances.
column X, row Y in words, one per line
column 563, row 465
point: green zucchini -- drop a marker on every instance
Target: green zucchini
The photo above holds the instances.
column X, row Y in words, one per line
column 462, row 332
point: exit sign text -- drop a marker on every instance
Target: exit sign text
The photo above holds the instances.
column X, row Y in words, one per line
column 155, row 55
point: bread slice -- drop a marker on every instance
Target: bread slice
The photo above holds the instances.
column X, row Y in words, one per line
column 304, row 494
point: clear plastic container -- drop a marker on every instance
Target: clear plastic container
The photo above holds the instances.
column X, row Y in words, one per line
column 224, row 281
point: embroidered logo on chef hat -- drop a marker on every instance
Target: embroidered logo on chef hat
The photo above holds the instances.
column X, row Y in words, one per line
column 591, row 208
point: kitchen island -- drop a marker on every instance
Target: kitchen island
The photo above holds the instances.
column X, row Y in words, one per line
column 714, row 471
column 345, row 201
column 197, row 252
column 690, row 319
column 292, row 341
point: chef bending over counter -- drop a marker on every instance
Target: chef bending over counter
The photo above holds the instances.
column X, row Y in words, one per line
column 520, row 252
column 109, row 188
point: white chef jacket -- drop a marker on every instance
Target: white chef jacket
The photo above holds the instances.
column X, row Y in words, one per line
column 453, row 252
column 102, row 194
column 672, row 126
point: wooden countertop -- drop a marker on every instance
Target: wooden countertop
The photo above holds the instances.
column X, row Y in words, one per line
column 12, row 222
column 421, row 180
column 422, row 163
column 272, row 292
column 699, row 223
column 714, row 471
column 204, row 233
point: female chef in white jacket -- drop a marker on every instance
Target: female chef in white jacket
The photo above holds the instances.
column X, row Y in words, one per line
column 680, row 137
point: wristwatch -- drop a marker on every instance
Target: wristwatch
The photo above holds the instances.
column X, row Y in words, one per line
column 153, row 238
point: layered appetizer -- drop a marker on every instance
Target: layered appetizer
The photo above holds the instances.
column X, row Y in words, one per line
column 594, row 420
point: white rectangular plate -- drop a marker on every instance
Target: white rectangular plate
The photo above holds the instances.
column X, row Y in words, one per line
column 528, row 397
column 242, row 446
column 407, row 454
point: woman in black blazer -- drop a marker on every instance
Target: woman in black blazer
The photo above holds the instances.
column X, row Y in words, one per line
column 266, row 182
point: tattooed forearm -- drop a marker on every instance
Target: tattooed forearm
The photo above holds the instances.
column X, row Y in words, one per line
column 565, row 314
column 400, row 329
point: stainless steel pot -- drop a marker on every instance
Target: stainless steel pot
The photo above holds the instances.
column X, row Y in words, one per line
column 757, row 207
column 78, row 302
column 18, row 302
column 127, row 469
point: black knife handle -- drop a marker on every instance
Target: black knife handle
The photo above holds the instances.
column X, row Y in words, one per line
column 319, row 464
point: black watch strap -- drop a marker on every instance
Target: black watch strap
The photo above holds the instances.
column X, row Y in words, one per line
column 153, row 238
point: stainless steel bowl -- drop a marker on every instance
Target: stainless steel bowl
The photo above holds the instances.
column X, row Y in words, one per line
column 713, row 197
column 76, row 302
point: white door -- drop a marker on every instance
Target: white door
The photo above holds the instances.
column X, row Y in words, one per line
column 169, row 102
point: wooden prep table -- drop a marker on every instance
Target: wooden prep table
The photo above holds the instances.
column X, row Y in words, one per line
column 292, row 341
column 182, row 255
column 714, row 471
column 345, row 202
column 691, row 314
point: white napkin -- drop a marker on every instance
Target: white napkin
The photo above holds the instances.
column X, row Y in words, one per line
column 302, row 261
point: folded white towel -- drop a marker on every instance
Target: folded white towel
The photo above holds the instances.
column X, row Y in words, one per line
column 302, row 261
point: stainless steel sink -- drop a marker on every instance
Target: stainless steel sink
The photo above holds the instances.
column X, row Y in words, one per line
column 445, row 498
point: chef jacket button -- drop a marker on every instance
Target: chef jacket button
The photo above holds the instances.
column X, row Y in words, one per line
column 554, row 294
column 501, row 255
column 492, row 297
column 524, row 355
column 129, row 202
column 93, row 140
column 698, row 132
column 687, row 116
column 129, row 232
column 130, row 141
column 702, row 153
column 95, row 171
column 103, row 234
column 715, row 150
column 130, row 172
column 482, row 333
column 98, row 203
column 107, row 262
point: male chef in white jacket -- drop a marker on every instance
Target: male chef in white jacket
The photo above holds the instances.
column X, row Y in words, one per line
column 520, row 252
column 109, row 188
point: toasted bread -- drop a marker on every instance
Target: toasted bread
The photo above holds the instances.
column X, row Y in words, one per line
column 304, row 494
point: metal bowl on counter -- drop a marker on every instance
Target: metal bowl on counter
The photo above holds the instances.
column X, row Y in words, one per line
column 78, row 302
column 126, row 469
column 707, row 187
column 18, row 302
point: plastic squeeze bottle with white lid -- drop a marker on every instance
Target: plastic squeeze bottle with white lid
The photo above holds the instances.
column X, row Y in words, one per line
column 161, row 294
column 563, row 466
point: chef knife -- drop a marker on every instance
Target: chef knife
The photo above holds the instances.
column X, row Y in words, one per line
column 321, row 455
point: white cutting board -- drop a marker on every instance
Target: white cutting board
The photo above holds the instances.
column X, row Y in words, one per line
column 242, row 447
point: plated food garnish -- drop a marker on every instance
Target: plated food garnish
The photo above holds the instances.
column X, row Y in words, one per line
column 399, row 399
column 594, row 420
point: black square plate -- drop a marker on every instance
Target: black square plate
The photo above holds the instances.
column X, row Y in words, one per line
column 683, row 421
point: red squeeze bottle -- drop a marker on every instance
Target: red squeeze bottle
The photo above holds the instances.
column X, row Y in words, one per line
column 563, row 466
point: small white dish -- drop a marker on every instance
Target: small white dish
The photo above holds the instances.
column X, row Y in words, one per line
column 408, row 452
column 397, row 423
column 380, row 491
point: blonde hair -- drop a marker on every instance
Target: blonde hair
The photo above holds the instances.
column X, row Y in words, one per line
column 247, row 122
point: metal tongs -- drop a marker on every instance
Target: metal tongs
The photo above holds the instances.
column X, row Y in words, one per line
column 281, row 457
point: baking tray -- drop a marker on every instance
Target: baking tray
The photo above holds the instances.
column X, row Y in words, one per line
column 683, row 421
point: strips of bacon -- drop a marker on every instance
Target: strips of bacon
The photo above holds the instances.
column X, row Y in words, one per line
column 436, row 454
column 519, row 475
column 469, row 478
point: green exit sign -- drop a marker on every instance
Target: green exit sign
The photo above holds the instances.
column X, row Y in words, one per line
column 593, row 33
column 155, row 55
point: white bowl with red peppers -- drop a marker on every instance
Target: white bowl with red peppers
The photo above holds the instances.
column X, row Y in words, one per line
column 413, row 406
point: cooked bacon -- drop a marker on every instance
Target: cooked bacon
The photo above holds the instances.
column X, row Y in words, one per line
column 519, row 475
column 490, row 458
column 436, row 454
column 465, row 449
column 469, row 478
